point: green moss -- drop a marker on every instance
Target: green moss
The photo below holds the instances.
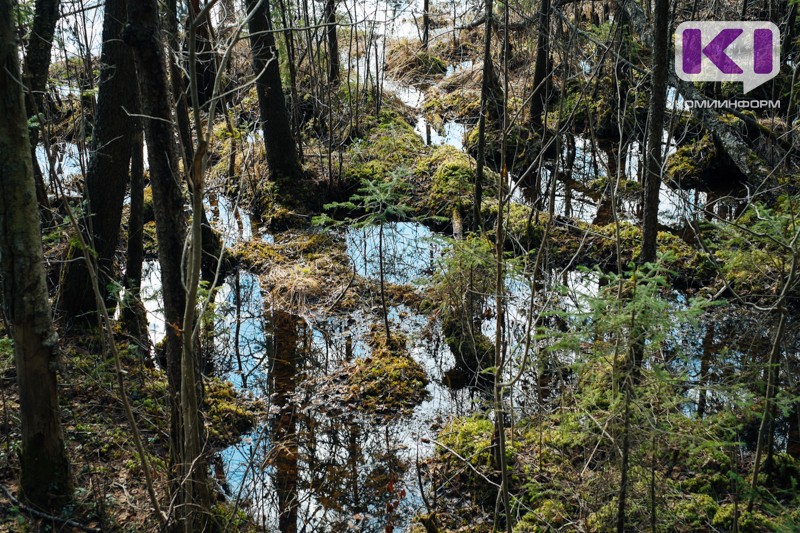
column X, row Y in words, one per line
column 592, row 108
column 147, row 207
column 449, row 175
column 389, row 382
column 693, row 163
column 548, row 515
column 461, row 104
column 391, row 143
column 471, row 438
column 754, row 521
column 522, row 145
column 150, row 239
column 695, row 511
column 6, row 349
column 228, row 415
column 224, row 516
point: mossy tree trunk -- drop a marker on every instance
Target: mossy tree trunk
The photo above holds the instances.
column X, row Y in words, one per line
column 107, row 174
column 45, row 472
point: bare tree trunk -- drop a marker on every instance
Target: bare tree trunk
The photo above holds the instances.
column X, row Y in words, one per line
column 426, row 24
column 291, row 58
column 542, row 67
column 45, row 472
column 205, row 81
column 281, row 148
column 36, row 69
column 133, row 312
column 333, row 43
column 655, row 129
column 205, row 60
column 107, row 175
column 481, row 159
column 142, row 33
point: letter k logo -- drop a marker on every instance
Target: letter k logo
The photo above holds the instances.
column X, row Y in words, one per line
column 715, row 51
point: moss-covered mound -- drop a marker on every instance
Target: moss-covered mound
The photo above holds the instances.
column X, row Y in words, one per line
column 446, row 179
column 388, row 384
column 699, row 164
column 406, row 60
column 522, row 146
column 228, row 414
column 555, row 477
column 301, row 269
column 582, row 244
column 108, row 476
column 390, row 144
column 462, row 104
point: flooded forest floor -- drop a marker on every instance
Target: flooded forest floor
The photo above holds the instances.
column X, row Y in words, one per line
column 350, row 338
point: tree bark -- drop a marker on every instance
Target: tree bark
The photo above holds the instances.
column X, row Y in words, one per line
column 143, row 34
column 206, row 61
column 107, row 175
column 540, row 71
column 333, row 42
column 36, row 68
column 280, row 144
column 134, row 314
column 426, row 24
column 45, row 472
column 655, row 129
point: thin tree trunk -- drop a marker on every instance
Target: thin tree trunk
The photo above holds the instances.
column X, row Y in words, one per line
column 291, row 57
column 655, row 128
column 481, row 159
column 133, row 312
column 771, row 392
column 45, row 472
column 426, row 24
column 540, row 71
column 333, row 43
column 36, row 69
